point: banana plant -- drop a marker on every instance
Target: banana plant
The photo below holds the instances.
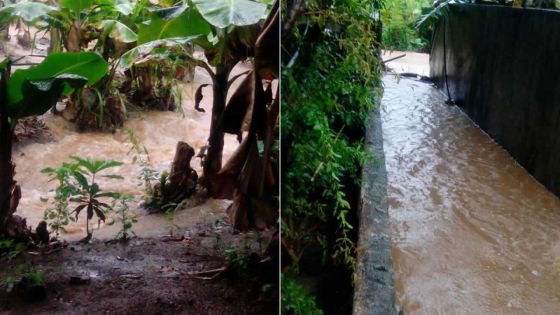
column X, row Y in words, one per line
column 33, row 91
column 25, row 13
column 99, row 26
column 30, row 12
column 227, row 31
column 150, row 81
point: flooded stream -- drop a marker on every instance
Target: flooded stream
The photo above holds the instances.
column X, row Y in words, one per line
column 158, row 131
column 473, row 232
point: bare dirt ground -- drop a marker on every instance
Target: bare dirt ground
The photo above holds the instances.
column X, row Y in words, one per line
column 154, row 276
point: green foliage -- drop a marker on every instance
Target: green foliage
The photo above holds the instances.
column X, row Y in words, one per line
column 435, row 14
column 33, row 91
column 148, row 174
column 153, row 182
column 76, row 6
column 236, row 260
column 188, row 23
column 295, row 300
column 328, row 85
column 119, row 31
column 399, row 17
column 224, row 13
column 58, row 216
column 122, row 217
column 19, row 274
column 83, row 189
column 28, row 11
column 151, row 51
column 10, row 249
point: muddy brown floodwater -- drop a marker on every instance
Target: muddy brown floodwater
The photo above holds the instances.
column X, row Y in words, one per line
column 473, row 232
column 158, row 131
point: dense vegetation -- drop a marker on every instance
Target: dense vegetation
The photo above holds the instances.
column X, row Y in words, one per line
column 407, row 24
column 399, row 32
column 330, row 80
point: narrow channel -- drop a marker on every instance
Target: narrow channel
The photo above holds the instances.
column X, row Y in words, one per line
column 473, row 232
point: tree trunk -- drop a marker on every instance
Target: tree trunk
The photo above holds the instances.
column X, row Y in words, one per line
column 213, row 161
column 7, row 183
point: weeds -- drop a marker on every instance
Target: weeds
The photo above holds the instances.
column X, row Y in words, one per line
column 122, row 217
column 58, row 216
column 295, row 300
column 148, row 174
column 237, row 261
column 21, row 275
column 10, row 249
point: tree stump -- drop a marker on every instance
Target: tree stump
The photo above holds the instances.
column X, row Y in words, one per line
column 182, row 178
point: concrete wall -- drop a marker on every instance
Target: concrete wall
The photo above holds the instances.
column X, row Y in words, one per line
column 374, row 290
column 503, row 67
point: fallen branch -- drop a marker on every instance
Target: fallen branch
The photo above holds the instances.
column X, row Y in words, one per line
column 208, row 272
column 131, row 276
column 392, row 59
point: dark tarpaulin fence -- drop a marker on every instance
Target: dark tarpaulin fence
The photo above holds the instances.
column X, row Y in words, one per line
column 503, row 70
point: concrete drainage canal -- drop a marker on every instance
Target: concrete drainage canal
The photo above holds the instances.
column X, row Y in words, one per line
column 472, row 232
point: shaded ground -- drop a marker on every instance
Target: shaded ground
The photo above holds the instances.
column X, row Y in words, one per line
column 157, row 276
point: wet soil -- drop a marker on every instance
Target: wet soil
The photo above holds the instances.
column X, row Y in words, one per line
column 155, row 276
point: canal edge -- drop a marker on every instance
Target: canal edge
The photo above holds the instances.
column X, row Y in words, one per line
column 374, row 291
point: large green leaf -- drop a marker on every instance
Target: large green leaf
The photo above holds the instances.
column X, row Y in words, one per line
column 94, row 166
column 41, row 95
column 188, row 23
column 89, row 65
column 156, row 49
column 76, row 6
column 28, row 11
column 124, row 7
column 119, row 31
column 223, row 13
column 169, row 13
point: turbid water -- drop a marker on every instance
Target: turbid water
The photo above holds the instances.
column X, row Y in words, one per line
column 158, row 131
column 473, row 232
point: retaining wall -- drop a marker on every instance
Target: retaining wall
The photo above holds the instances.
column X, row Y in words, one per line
column 374, row 290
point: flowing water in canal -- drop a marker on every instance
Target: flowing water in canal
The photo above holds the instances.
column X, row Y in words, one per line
column 473, row 232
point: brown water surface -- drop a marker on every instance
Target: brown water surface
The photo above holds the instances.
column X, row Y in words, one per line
column 473, row 232
column 158, row 131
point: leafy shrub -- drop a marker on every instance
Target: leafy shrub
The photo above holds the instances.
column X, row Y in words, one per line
column 80, row 187
column 327, row 94
column 58, row 215
column 296, row 301
column 399, row 33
